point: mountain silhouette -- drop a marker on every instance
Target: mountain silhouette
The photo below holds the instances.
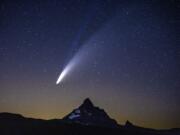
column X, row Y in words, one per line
column 88, row 114
column 87, row 119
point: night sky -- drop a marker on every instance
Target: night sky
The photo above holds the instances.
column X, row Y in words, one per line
column 123, row 54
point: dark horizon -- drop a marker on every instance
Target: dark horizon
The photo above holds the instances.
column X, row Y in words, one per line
column 57, row 118
column 127, row 123
column 124, row 55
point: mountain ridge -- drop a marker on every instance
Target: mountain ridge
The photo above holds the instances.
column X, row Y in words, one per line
column 86, row 119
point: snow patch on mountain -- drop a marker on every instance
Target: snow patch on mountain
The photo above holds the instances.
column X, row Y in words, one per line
column 73, row 116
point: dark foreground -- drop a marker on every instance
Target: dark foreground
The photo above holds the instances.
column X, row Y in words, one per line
column 13, row 124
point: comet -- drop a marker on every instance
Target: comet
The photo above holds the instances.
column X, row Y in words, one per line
column 62, row 75
column 66, row 71
column 71, row 65
column 82, row 55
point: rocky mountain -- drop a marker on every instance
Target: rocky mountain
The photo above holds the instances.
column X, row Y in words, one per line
column 88, row 114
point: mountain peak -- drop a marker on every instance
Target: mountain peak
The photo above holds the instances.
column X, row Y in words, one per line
column 87, row 100
column 88, row 114
column 87, row 103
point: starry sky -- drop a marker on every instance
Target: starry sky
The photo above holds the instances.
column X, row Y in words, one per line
column 126, row 55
